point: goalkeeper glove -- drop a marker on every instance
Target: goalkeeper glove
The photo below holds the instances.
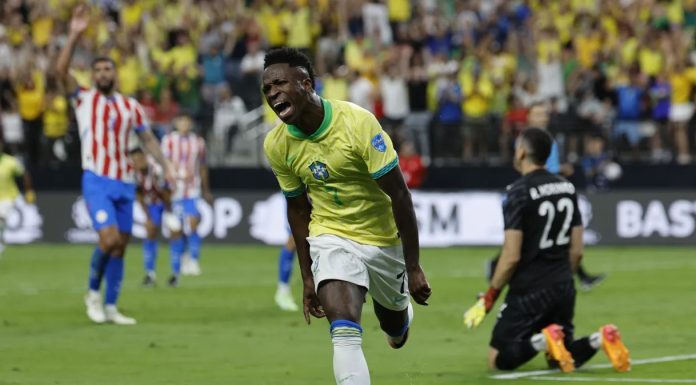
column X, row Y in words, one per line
column 475, row 314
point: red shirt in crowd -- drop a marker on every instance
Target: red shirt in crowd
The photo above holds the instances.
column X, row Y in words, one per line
column 413, row 170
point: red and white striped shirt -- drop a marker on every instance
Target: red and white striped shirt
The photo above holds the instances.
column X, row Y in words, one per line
column 106, row 124
column 187, row 154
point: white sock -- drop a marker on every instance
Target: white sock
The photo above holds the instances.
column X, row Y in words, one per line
column 110, row 309
column 596, row 340
column 539, row 342
column 94, row 294
column 350, row 367
column 283, row 288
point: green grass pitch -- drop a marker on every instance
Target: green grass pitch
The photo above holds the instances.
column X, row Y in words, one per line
column 223, row 327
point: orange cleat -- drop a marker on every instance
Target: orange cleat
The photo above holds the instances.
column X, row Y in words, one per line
column 555, row 348
column 614, row 348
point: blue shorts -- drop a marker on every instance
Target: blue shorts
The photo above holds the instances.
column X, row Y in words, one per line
column 109, row 201
column 186, row 207
column 155, row 211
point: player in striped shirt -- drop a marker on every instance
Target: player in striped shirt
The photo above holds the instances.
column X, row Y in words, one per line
column 105, row 121
column 154, row 195
column 186, row 152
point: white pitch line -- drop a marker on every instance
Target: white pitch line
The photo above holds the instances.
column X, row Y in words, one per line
column 644, row 361
column 631, row 380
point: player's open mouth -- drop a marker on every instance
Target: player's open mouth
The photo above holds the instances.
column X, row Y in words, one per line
column 283, row 109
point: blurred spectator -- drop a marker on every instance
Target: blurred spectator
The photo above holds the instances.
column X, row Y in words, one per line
column 228, row 112
column 362, row 92
column 411, row 165
column 418, row 121
column 593, row 163
column 252, row 69
column 55, row 127
column 212, row 64
column 12, row 130
column 514, row 122
column 167, row 109
column 394, row 94
column 629, row 111
column 336, row 84
column 30, row 101
column 447, row 135
column 681, row 110
column 660, row 91
column 477, row 90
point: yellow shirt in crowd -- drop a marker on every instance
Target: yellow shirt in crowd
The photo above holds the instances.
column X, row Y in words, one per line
column 477, row 95
column 399, row 10
column 681, row 87
column 55, row 117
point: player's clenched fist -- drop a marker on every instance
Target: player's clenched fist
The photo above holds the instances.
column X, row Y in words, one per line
column 311, row 303
column 418, row 286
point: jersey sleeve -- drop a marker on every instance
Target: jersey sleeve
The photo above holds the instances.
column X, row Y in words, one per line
column 375, row 147
column 139, row 120
column 290, row 184
column 77, row 95
column 514, row 204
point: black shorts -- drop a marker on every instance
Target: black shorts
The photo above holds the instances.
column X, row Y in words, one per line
column 525, row 314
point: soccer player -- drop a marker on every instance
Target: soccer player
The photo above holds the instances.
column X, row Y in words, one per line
column 358, row 235
column 539, row 118
column 10, row 170
column 543, row 246
column 283, row 296
column 105, row 120
column 187, row 152
column 154, row 196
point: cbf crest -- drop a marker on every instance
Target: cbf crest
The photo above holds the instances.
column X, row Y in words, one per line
column 378, row 143
column 319, row 170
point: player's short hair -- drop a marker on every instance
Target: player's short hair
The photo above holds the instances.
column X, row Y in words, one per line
column 290, row 56
column 538, row 143
column 136, row 150
column 100, row 59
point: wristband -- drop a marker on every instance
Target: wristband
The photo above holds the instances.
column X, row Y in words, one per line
column 490, row 297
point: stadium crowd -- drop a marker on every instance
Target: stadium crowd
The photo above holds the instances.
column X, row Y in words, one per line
column 451, row 80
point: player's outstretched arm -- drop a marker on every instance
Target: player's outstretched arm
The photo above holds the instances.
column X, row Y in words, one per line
column 392, row 183
column 152, row 147
column 78, row 25
column 299, row 211
column 509, row 258
column 576, row 247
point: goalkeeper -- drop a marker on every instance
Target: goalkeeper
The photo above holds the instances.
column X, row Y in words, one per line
column 543, row 246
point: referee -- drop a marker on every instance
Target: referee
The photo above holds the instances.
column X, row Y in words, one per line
column 543, row 247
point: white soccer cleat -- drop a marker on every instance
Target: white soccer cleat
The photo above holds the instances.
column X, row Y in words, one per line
column 113, row 316
column 95, row 310
column 285, row 301
column 194, row 267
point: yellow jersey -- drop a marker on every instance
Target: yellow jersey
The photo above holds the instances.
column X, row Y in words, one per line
column 10, row 168
column 338, row 166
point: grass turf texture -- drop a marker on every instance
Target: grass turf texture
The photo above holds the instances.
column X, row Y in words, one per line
column 223, row 327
